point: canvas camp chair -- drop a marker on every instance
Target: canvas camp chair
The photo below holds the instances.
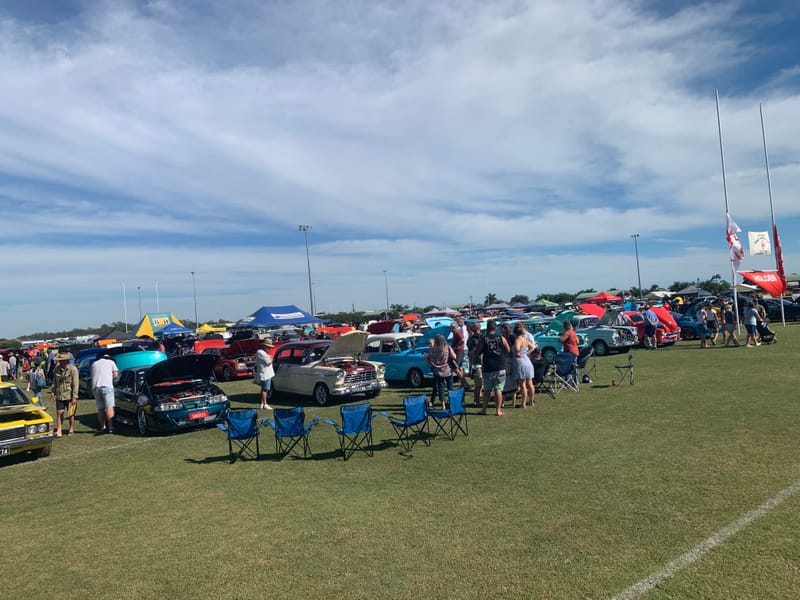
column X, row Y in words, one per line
column 241, row 427
column 355, row 432
column 453, row 419
column 565, row 372
column 291, row 431
column 414, row 424
column 626, row 371
column 583, row 364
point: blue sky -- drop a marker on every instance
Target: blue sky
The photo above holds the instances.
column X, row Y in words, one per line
column 462, row 147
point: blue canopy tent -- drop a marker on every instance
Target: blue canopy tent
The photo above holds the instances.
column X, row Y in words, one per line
column 275, row 316
column 175, row 329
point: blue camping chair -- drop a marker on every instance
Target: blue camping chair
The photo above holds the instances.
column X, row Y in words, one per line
column 565, row 372
column 290, row 430
column 241, row 427
column 453, row 419
column 355, row 432
column 414, row 425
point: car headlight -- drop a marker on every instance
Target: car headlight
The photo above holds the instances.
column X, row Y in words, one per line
column 43, row 427
column 217, row 399
column 30, row 430
column 381, row 369
column 340, row 375
column 167, row 406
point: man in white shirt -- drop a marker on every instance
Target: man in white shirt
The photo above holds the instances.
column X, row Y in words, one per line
column 264, row 372
column 104, row 372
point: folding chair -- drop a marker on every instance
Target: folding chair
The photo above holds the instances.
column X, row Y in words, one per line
column 583, row 363
column 241, row 427
column 453, row 419
column 290, row 430
column 565, row 373
column 626, row 371
column 414, row 426
column 355, row 432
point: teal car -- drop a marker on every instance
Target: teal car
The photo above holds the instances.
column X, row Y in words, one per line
column 405, row 359
column 546, row 332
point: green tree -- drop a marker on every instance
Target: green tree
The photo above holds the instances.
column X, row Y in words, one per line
column 521, row 298
column 490, row 299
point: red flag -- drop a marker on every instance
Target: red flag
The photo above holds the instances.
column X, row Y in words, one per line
column 779, row 256
column 734, row 245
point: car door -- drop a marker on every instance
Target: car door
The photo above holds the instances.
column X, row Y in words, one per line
column 285, row 364
column 125, row 393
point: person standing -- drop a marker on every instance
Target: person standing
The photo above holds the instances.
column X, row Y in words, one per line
column 650, row 328
column 5, row 368
column 37, row 380
column 458, row 344
column 439, row 357
column 65, row 392
column 522, row 348
column 103, row 373
column 474, row 362
column 568, row 338
column 702, row 325
column 492, row 350
column 12, row 363
column 751, row 322
column 264, row 372
column 711, row 324
column 729, row 322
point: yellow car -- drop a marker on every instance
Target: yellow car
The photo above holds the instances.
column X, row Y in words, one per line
column 24, row 424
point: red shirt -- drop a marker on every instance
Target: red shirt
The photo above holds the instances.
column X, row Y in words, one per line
column 571, row 343
column 457, row 343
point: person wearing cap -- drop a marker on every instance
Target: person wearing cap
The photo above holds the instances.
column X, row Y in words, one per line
column 103, row 372
column 264, row 372
column 65, row 392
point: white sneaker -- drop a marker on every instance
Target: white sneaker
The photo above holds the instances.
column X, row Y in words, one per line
column 758, row 343
column 267, row 407
column 749, row 346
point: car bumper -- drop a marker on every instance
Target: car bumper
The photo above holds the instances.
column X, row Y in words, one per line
column 179, row 420
column 357, row 388
column 12, row 447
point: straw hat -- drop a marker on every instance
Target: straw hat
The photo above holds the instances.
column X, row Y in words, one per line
column 62, row 356
column 267, row 343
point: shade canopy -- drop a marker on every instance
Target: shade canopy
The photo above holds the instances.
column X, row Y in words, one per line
column 692, row 290
column 604, row 297
column 275, row 316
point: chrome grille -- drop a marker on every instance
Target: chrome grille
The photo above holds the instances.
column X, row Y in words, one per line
column 15, row 433
column 360, row 376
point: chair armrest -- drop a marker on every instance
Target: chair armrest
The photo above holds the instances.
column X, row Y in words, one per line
column 267, row 421
column 331, row 423
column 223, row 427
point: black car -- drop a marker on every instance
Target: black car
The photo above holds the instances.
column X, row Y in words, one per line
column 172, row 395
column 791, row 310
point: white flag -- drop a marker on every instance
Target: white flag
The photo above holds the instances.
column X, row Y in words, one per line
column 734, row 245
column 759, row 243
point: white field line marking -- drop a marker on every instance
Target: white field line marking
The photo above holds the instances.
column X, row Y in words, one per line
column 44, row 461
column 650, row 582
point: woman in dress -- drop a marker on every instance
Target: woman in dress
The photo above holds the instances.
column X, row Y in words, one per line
column 522, row 347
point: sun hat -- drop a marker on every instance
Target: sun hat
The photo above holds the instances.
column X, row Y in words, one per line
column 62, row 356
column 267, row 342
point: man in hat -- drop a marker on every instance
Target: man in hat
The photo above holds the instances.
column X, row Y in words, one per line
column 65, row 392
column 264, row 372
column 104, row 372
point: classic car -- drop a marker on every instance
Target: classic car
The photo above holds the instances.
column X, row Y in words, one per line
column 172, row 395
column 606, row 333
column 325, row 368
column 125, row 357
column 664, row 335
column 403, row 354
column 546, row 331
column 791, row 310
column 689, row 327
column 236, row 360
column 25, row 426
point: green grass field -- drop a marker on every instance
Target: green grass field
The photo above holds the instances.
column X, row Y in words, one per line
column 581, row 497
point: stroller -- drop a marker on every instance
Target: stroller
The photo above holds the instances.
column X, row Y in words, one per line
column 766, row 335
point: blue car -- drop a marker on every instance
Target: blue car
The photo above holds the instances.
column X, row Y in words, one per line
column 171, row 395
column 690, row 328
column 403, row 354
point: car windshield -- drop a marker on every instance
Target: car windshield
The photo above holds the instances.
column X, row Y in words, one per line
column 12, row 396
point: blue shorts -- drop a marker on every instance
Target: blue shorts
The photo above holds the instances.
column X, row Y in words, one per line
column 751, row 329
column 494, row 381
column 266, row 385
column 104, row 397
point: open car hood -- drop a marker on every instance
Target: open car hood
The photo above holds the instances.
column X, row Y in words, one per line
column 190, row 366
column 347, row 344
column 557, row 324
column 610, row 316
column 422, row 342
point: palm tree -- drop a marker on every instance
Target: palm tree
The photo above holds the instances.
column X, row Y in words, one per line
column 490, row 299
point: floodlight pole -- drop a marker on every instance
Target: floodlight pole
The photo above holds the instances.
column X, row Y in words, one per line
column 304, row 229
column 635, row 237
column 386, row 285
column 194, row 294
column 139, row 290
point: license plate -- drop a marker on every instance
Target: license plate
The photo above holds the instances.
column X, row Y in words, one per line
column 4, row 451
column 197, row 415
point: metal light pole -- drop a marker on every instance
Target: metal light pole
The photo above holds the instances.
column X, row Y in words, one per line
column 635, row 237
column 139, row 290
column 194, row 294
column 304, row 229
column 386, row 285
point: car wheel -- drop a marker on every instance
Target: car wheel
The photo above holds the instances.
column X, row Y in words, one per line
column 43, row 452
column 549, row 355
column 321, row 394
column 141, row 420
column 415, row 378
column 600, row 348
column 688, row 333
column 226, row 374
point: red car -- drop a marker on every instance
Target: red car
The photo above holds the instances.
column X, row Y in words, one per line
column 236, row 360
column 665, row 336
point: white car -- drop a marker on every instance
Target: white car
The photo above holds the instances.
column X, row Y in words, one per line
column 325, row 368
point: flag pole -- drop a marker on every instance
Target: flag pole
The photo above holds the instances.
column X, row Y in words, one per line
column 727, row 212
column 775, row 241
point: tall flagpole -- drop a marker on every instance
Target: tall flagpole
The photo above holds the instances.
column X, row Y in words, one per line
column 125, row 307
column 727, row 212
column 771, row 208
